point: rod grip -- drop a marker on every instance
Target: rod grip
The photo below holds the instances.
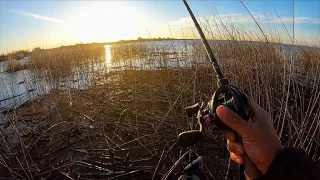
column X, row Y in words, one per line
column 248, row 169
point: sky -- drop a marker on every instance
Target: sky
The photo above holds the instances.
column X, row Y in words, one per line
column 29, row 24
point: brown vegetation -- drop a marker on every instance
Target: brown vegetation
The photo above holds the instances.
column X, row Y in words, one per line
column 60, row 61
column 126, row 123
column 15, row 55
column 13, row 66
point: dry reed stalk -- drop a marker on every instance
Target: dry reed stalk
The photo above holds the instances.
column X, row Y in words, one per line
column 138, row 108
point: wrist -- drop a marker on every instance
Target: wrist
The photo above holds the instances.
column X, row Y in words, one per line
column 272, row 158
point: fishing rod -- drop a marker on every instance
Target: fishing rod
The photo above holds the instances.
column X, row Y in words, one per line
column 221, row 79
column 226, row 95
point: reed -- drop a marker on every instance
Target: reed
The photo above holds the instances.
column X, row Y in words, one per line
column 124, row 120
column 13, row 66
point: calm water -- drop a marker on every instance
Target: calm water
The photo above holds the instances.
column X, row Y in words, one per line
column 18, row 87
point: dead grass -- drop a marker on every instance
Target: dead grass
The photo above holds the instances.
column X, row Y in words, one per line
column 81, row 128
column 60, row 61
column 126, row 122
column 13, row 66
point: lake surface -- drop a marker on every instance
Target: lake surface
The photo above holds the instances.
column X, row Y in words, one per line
column 18, row 87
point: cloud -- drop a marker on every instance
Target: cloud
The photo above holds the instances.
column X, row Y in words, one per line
column 242, row 18
column 45, row 18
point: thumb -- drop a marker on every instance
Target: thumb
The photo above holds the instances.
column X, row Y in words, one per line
column 233, row 120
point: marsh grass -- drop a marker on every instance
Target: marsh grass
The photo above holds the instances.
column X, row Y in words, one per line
column 124, row 123
column 13, row 66
column 60, row 61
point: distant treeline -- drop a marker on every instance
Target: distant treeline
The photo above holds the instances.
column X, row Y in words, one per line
column 140, row 39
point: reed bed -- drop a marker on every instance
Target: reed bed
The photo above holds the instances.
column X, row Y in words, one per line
column 60, row 61
column 125, row 121
column 13, row 66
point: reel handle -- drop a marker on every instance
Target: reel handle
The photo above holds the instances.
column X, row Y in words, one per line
column 188, row 138
column 227, row 95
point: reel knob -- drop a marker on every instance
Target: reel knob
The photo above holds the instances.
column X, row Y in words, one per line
column 188, row 138
column 193, row 109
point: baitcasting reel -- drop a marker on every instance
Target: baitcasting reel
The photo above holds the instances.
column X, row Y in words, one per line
column 226, row 95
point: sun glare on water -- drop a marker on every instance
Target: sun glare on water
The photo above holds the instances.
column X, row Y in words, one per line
column 108, row 54
column 106, row 21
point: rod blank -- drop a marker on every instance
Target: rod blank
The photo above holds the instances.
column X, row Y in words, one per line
column 215, row 64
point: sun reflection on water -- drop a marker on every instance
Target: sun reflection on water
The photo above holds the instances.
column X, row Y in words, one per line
column 108, row 54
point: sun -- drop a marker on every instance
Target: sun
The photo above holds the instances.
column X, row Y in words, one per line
column 106, row 21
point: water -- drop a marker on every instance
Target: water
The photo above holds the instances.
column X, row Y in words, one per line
column 13, row 89
column 3, row 65
column 171, row 54
column 19, row 87
column 16, row 88
column 108, row 54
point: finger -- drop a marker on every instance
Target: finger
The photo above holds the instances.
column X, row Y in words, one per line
column 233, row 120
column 236, row 148
column 236, row 158
column 230, row 135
